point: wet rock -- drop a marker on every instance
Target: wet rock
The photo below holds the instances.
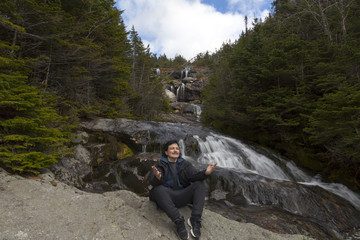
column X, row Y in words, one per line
column 218, row 194
column 192, row 147
column 319, row 212
column 138, row 133
column 136, row 171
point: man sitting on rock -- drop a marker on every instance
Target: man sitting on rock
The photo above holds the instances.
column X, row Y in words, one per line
column 177, row 183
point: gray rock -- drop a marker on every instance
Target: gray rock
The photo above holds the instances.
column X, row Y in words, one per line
column 170, row 95
column 72, row 170
column 189, row 79
column 42, row 208
column 82, row 155
column 81, row 137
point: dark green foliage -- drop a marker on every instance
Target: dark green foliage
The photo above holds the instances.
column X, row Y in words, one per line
column 62, row 60
column 32, row 134
column 147, row 99
column 292, row 83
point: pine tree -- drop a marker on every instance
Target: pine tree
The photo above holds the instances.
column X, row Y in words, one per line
column 32, row 134
column 148, row 98
column 291, row 83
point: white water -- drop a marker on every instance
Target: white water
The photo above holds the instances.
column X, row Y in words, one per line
column 180, row 93
column 182, row 148
column 143, row 150
column 337, row 189
column 185, row 72
column 197, row 111
column 231, row 153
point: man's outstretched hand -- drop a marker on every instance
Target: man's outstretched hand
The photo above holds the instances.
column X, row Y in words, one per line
column 210, row 168
column 156, row 172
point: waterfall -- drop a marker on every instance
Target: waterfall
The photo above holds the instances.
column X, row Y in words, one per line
column 197, row 111
column 157, row 71
column 337, row 189
column 182, row 148
column 144, row 145
column 180, row 93
column 231, row 153
column 143, row 148
column 185, row 72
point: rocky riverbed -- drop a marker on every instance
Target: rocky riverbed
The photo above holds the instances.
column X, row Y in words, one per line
column 44, row 208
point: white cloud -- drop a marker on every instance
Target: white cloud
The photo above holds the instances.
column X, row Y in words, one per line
column 185, row 27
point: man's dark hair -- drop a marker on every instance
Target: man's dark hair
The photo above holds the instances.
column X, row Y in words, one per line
column 166, row 147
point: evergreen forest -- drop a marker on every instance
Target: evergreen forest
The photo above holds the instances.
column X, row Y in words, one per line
column 291, row 82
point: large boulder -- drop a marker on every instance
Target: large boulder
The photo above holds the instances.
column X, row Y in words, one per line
column 73, row 169
column 43, row 208
column 139, row 134
column 170, row 95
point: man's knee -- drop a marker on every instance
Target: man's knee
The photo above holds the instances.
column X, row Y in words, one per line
column 157, row 192
column 160, row 188
column 199, row 184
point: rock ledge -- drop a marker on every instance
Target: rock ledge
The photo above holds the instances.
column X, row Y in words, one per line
column 43, row 208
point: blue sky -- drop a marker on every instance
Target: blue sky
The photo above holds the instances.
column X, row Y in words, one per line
column 189, row 27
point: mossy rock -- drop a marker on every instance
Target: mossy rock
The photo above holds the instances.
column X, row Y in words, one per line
column 124, row 151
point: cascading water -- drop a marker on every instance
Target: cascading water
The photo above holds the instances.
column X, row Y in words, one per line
column 182, row 146
column 143, row 148
column 197, row 111
column 231, row 153
column 180, row 93
column 172, row 89
column 185, row 72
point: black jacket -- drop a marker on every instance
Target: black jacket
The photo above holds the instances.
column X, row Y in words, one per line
column 186, row 172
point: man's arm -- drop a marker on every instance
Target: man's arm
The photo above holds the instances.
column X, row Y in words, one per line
column 156, row 176
column 195, row 175
column 210, row 168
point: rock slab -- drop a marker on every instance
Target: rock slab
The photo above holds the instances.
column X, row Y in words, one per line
column 43, row 208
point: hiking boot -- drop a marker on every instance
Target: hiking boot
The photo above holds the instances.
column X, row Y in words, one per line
column 181, row 229
column 195, row 227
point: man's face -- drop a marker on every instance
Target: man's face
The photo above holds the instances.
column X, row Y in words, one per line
column 173, row 151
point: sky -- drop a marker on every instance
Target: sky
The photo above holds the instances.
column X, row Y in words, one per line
column 190, row 27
